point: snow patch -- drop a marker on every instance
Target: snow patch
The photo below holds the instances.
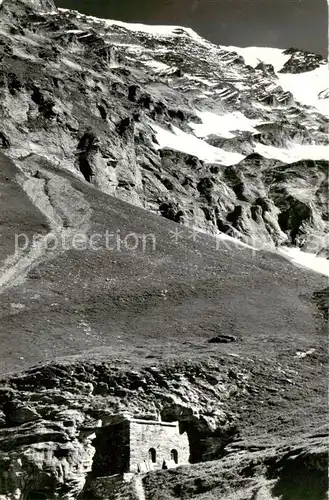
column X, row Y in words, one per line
column 295, row 152
column 308, row 88
column 202, row 80
column 178, row 140
column 187, row 143
column 75, row 32
column 222, row 125
column 307, row 260
column 156, row 65
column 72, row 64
column 254, row 55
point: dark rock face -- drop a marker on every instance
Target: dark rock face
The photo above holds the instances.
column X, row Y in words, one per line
column 5, row 143
column 222, row 339
column 301, row 61
column 86, row 146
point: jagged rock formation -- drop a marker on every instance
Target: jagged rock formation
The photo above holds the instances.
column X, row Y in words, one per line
column 166, row 121
column 300, row 61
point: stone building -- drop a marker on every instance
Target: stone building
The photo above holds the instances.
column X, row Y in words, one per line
column 139, row 445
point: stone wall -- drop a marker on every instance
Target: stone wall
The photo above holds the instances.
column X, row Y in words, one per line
column 162, row 436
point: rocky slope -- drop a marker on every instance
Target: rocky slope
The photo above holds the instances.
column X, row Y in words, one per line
column 161, row 118
column 227, row 339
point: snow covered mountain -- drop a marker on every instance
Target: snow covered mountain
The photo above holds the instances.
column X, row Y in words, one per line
column 222, row 138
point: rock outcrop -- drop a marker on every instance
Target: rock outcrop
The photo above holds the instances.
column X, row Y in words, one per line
column 296, row 470
column 52, row 415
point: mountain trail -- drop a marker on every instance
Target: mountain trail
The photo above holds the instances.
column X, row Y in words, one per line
column 139, row 488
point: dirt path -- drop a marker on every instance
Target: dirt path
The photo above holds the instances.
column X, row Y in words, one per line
column 139, row 488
